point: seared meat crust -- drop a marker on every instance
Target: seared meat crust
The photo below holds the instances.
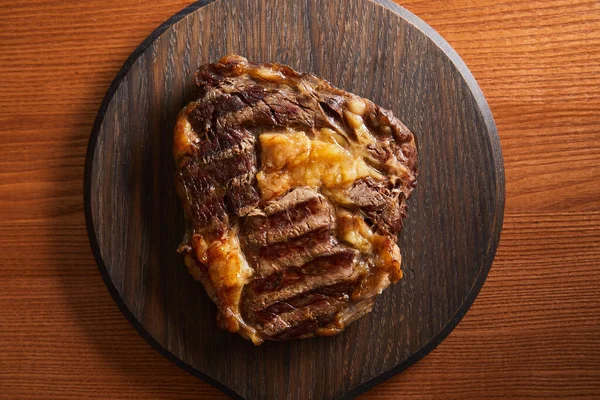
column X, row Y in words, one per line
column 294, row 192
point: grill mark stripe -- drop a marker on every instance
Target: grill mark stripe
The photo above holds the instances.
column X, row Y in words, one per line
column 261, row 295
column 294, row 253
column 289, row 223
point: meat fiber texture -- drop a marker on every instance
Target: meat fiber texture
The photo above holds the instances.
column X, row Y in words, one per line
column 294, row 193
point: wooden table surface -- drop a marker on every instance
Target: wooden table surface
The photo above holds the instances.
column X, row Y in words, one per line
column 534, row 331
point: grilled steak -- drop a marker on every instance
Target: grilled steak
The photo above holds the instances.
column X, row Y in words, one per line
column 294, row 192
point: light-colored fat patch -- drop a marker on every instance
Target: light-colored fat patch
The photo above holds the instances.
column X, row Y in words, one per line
column 184, row 137
column 228, row 272
column 291, row 159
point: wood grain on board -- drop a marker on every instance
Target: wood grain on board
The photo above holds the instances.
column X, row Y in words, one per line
column 448, row 241
column 533, row 330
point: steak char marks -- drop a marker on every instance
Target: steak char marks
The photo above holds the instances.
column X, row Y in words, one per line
column 294, row 192
column 299, row 263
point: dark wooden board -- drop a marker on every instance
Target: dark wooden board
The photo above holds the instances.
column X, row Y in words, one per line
column 373, row 48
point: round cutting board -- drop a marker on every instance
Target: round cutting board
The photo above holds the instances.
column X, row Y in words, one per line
column 375, row 49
